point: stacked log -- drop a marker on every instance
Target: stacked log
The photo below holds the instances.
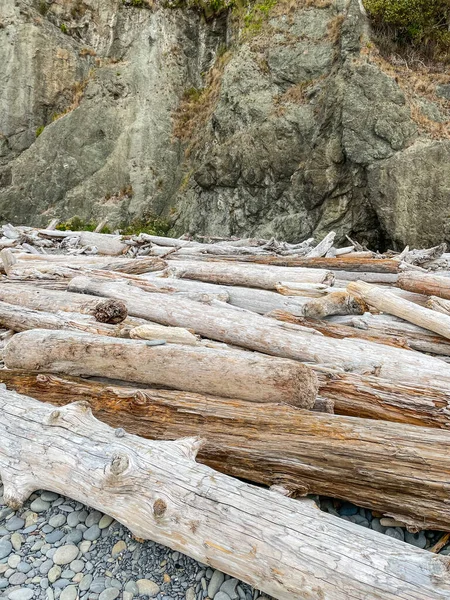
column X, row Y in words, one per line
column 305, row 367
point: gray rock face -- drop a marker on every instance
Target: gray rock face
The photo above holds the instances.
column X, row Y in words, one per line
column 298, row 131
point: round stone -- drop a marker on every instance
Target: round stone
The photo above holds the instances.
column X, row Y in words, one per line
column 23, row 567
column 69, row 593
column 73, row 519
column 98, row 585
column 190, row 594
column 57, row 520
column 13, row 561
column 16, row 540
column 229, row 587
column 216, row 581
column 54, row 573
column 416, row 539
column 54, row 536
column 77, row 566
column 5, row 548
column 109, row 594
column 221, row 596
column 21, row 594
column 49, row 496
column 118, row 547
column 92, row 533
column 17, row 578
column 105, row 521
column 65, row 554
column 15, row 523
column 85, row 583
column 148, row 588
column 74, row 537
column 39, row 505
column 93, row 518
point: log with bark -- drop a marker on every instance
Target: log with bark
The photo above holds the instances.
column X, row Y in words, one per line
column 229, row 373
column 425, row 283
column 384, row 301
column 254, row 332
column 282, row 546
column 401, row 471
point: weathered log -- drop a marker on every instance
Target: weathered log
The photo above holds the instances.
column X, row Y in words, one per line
column 348, row 262
column 339, row 331
column 258, row 276
column 336, row 303
column 312, row 290
column 229, row 373
column 105, row 243
column 424, row 283
column 322, row 247
column 370, row 397
column 266, row 335
column 26, row 318
column 439, row 305
column 159, row 492
column 387, row 302
column 393, row 328
column 378, row 465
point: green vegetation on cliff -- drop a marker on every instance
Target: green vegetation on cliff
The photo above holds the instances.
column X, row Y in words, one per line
column 423, row 23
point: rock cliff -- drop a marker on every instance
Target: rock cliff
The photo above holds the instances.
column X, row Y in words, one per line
column 274, row 118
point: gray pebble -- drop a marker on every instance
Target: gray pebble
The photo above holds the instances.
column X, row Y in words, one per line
column 69, row 593
column 54, row 536
column 5, row 548
column 93, row 518
column 66, row 508
column 17, row 579
column 23, row 567
column 21, row 594
column 132, row 587
column 3, row 583
column 393, row 533
column 39, row 505
column 61, row 584
column 416, row 539
column 109, row 594
column 57, row 520
column 65, row 554
column 85, row 583
column 222, row 596
column 74, row 537
column 45, row 567
column 14, row 524
column 49, row 496
column 229, row 587
column 216, row 581
column 98, row 585
column 93, row 533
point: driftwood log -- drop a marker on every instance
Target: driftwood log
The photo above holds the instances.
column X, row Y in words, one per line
column 229, row 373
column 257, row 276
column 425, row 283
column 384, row 301
column 401, row 471
column 266, row 335
column 282, row 546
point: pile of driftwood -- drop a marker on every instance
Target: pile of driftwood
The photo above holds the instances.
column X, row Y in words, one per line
column 304, row 368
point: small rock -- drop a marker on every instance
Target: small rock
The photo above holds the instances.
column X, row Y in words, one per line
column 416, row 539
column 17, row 579
column 190, row 594
column 229, row 587
column 92, row 533
column 5, row 548
column 84, row 546
column 348, row 509
column 132, row 588
column 93, row 518
column 127, row 596
column 69, row 593
column 54, row 573
column 57, row 520
column 39, row 505
column 14, row 524
column 109, row 594
column 222, row 596
column 85, row 583
column 147, row 587
column 105, row 521
column 118, row 547
column 98, row 585
column 16, row 540
column 73, row 519
column 49, row 496
column 77, row 566
column 31, row 519
column 21, row 594
column 13, row 561
column 23, row 567
column 216, row 581
column 74, row 537
column 65, row 555
column 394, row 533
column 54, row 536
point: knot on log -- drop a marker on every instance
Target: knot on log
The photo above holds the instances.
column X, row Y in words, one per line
column 159, row 508
column 110, row 311
column 42, row 378
column 119, row 464
column 140, row 398
column 53, row 417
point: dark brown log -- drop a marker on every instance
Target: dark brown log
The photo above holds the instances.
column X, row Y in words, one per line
column 399, row 470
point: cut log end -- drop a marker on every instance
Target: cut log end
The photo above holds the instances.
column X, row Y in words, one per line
column 110, row 311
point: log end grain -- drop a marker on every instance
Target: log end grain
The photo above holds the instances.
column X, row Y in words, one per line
column 110, row 311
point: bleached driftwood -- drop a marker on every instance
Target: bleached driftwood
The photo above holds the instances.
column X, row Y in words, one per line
column 387, row 302
column 282, row 546
column 383, row 466
column 105, row 243
column 425, row 283
column 23, row 319
column 229, row 373
column 257, row 276
column 266, row 335
column 439, row 305
column 172, row 335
